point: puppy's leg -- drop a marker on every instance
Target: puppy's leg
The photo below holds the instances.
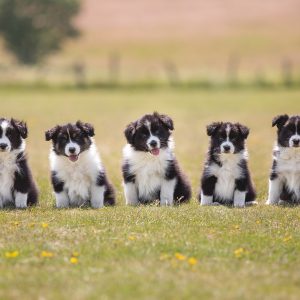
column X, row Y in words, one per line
column 167, row 192
column 131, row 195
column 239, row 196
column 21, row 199
column 61, row 196
column 21, row 185
column 275, row 188
column 97, row 196
column 62, row 199
column 208, row 184
column 130, row 190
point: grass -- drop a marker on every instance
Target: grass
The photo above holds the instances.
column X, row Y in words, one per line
column 129, row 253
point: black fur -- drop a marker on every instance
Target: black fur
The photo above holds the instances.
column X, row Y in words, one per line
column 286, row 128
column 23, row 181
column 238, row 133
column 79, row 134
column 288, row 136
column 58, row 185
column 137, row 134
column 109, row 195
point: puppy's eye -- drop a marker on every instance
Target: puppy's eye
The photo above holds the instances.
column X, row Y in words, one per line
column 156, row 131
column 76, row 136
column 63, row 138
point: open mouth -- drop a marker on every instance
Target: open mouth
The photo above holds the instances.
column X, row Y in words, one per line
column 155, row 151
column 73, row 157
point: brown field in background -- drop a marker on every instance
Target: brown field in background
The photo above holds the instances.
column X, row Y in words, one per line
column 199, row 37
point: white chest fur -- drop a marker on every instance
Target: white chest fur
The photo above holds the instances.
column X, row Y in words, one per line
column 149, row 170
column 226, row 175
column 79, row 176
column 8, row 167
column 288, row 168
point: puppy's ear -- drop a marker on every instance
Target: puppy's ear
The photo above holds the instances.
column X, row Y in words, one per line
column 212, row 128
column 280, row 120
column 51, row 133
column 166, row 120
column 86, row 127
column 244, row 130
column 21, row 127
column 130, row 132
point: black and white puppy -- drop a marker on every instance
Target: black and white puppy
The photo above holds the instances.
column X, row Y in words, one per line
column 17, row 187
column 226, row 178
column 150, row 169
column 77, row 173
column 284, row 183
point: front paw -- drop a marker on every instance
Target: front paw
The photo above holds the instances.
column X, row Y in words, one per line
column 239, row 204
column 96, row 204
column 21, row 206
column 271, row 202
column 166, row 202
column 211, row 204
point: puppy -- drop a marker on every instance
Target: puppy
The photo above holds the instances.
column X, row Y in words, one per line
column 226, row 178
column 150, row 169
column 284, row 183
column 17, row 187
column 77, row 174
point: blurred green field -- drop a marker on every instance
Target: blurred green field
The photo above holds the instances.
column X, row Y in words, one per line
column 130, row 253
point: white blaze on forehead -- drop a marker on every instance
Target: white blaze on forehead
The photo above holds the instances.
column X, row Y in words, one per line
column 228, row 128
column 227, row 142
column 295, row 136
column 148, row 125
column 4, row 139
column 71, row 144
column 4, row 126
column 151, row 137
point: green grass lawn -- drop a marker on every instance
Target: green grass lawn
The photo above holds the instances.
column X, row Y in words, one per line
column 185, row 252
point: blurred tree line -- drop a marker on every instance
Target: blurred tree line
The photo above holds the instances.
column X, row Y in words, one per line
column 33, row 29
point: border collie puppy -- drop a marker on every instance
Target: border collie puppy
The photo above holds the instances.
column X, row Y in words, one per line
column 284, row 183
column 77, row 173
column 150, row 169
column 226, row 178
column 17, row 187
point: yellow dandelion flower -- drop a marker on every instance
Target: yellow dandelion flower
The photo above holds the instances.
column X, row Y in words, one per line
column 45, row 225
column 258, row 222
column 11, row 254
column 287, row 238
column 239, row 252
column 192, row 261
column 132, row 238
column 74, row 260
column 47, row 254
column 180, row 256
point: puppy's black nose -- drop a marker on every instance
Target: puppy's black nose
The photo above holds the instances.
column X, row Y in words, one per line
column 296, row 142
column 153, row 143
column 226, row 148
column 72, row 150
column 3, row 146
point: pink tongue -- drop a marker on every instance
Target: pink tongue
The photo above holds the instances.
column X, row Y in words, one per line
column 73, row 157
column 155, row 151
